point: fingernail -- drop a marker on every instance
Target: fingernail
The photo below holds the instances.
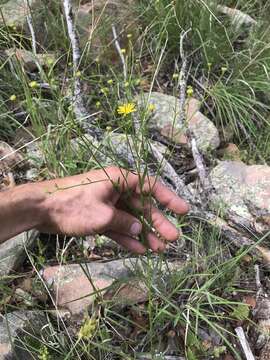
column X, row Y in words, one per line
column 136, row 228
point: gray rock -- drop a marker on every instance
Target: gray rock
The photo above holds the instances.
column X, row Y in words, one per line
column 34, row 154
column 9, row 157
column 13, row 328
column 243, row 191
column 238, row 17
column 87, row 17
column 114, row 148
column 15, row 12
column 164, row 118
column 128, row 148
column 28, row 60
column 12, row 252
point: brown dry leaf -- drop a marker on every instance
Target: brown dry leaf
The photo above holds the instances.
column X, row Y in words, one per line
column 140, row 321
column 207, row 345
column 247, row 259
column 27, row 284
column 250, row 301
column 145, row 84
column 228, row 357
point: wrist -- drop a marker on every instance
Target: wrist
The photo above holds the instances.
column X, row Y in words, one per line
column 25, row 209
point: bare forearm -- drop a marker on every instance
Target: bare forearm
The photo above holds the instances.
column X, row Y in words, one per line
column 20, row 210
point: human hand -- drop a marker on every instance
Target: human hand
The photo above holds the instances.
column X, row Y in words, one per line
column 104, row 202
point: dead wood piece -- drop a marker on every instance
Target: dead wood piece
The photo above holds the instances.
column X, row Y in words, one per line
column 119, row 51
column 237, row 16
column 81, row 113
column 244, row 343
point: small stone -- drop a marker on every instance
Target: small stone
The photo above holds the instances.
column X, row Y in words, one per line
column 28, row 60
column 12, row 252
column 238, row 17
column 35, row 155
column 15, row 12
column 9, row 157
column 13, row 327
column 23, row 296
column 265, row 353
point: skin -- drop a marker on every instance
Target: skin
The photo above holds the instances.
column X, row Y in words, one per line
column 109, row 201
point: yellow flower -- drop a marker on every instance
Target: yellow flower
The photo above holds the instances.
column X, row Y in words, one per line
column 110, row 82
column 126, row 84
column 129, row 36
column 13, row 98
column 190, row 91
column 33, row 84
column 78, row 73
column 49, row 61
column 126, row 109
column 175, row 76
column 98, row 104
column 88, row 329
column 104, row 90
column 224, row 69
column 44, row 353
column 123, row 51
column 151, row 107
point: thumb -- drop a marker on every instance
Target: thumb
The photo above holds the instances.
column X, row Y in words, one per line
column 124, row 223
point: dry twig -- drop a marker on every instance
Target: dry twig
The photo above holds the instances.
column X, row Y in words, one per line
column 33, row 35
column 119, row 50
column 244, row 343
column 198, row 159
column 80, row 110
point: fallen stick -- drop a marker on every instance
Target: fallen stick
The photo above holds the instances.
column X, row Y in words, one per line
column 119, row 50
column 244, row 343
column 198, row 159
column 80, row 110
column 32, row 32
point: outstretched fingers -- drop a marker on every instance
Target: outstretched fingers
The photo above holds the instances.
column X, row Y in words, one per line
column 162, row 225
column 150, row 185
